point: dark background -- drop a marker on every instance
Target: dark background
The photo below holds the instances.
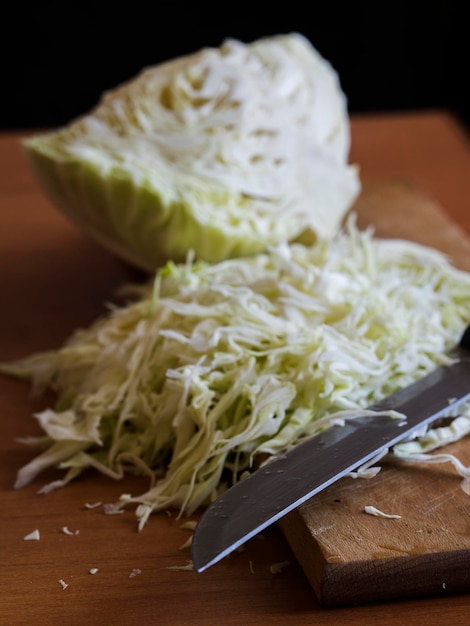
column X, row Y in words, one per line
column 58, row 58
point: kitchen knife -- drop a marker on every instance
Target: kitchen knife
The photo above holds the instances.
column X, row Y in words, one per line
column 287, row 481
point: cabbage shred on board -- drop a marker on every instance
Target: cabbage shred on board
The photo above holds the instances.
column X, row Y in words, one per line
column 225, row 152
column 214, row 365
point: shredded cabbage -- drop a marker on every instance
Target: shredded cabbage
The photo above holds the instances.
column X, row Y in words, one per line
column 212, row 367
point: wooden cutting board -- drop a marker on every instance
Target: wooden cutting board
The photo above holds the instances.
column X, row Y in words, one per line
column 349, row 556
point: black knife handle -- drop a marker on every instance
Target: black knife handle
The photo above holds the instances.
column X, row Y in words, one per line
column 465, row 341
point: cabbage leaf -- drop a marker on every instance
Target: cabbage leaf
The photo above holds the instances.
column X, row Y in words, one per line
column 224, row 152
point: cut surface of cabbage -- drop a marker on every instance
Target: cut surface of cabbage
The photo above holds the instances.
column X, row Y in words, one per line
column 225, row 152
column 213, row 366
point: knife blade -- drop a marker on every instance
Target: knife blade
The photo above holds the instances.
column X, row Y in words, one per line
column 287, row 481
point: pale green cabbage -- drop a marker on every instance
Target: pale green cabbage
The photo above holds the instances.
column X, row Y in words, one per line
column 224, row 152
column 213, row 367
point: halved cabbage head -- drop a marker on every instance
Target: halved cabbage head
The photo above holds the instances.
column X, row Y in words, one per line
column 224, row 152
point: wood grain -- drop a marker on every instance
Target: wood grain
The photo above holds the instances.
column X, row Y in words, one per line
column 401, row 209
